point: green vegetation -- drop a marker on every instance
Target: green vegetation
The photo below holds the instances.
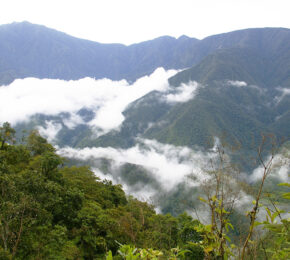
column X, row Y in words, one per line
column 51, row 211
column 218, row 108
column 259, row 57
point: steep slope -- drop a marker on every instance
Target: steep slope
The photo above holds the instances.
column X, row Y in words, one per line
column 243, row 90
column 242, row 73
column 237, row 98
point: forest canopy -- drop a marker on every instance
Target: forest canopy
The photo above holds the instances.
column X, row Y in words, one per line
column 49, row 210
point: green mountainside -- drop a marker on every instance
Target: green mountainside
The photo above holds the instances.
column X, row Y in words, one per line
column 219, row 108
column 241, row 76
column 50, row 210
column 238, row 111
column 56, row 208
column 241, row 113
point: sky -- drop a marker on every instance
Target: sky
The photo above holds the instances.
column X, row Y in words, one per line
column 132, row 21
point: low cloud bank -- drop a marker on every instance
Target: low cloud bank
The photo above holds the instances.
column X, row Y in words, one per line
column 174, row 169
column 106, row 99
column 26, row 97
column 279, row 168
column 169, row 165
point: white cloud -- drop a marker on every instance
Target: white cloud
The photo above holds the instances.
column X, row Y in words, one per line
column 237, row 83
column 184, row 92
column 279, row 168
column 103, row 176
column 50, row 130
column 168, row 164
column 106, row 98
column 284, row 92
column 72, row 121
column 243, row 84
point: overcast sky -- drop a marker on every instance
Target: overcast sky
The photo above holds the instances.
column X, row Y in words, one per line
column 130, row 21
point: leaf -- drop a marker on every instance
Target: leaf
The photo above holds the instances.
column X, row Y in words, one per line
column 226, row 212
column 202, row 199
column 227, row 238
column 269, row 212
column 284, row 184
column 208, row 249
column 286, row 195
column 275, row 215
column 251, row 242
column 229, row 224
column 257, row 223
column 109, row 256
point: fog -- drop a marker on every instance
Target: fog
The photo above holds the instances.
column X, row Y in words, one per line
column 104, row 98
column 108, row 99
column 278, row 168
column 50, row 130
column 169, row 164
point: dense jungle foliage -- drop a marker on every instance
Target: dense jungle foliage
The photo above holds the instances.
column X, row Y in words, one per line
column 52, row 211
column 49, row 211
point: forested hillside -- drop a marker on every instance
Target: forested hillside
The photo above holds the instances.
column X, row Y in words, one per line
column 258, row 59
column 197, row 128
column 52, row 211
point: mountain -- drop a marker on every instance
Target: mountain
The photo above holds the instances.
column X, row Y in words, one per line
column 29, row 50
column 241, row 78
column 232, row 88
column 221, row 106
column 229, row 87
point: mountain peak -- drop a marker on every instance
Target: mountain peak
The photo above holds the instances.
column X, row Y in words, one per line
column 183, row 37
column 23, row 24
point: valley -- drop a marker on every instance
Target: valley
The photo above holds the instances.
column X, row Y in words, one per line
column 154, row 116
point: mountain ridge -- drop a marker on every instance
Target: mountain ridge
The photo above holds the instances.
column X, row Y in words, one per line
column 259, row 58
column 29, row 50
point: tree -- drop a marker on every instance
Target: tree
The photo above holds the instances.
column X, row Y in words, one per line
column 37, row 145
column 267, row 166
column 7, row 135
column 221, row 193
